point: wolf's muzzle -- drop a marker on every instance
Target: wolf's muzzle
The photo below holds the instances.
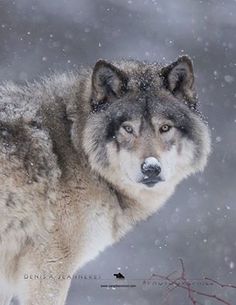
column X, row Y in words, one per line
column 151, row 170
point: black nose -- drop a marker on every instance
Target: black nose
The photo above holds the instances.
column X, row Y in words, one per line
column 151, row 171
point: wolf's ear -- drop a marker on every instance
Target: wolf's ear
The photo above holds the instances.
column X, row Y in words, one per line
column 179, row 79
column 108, row 82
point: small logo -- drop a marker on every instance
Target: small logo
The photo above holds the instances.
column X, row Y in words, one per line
column 119, row 276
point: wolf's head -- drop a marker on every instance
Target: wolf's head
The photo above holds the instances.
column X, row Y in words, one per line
column 144, row 129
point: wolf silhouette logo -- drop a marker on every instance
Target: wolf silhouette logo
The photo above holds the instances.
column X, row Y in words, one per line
column 119, row 276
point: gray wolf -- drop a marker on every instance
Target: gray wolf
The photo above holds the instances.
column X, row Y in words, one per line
column 84, row 156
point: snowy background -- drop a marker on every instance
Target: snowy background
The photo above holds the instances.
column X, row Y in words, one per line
column 198, row 223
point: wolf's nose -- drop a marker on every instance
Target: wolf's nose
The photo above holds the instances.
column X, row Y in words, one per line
column 151, row 167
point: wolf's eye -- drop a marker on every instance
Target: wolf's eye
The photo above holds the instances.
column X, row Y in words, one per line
column 128, row 128
column 165, row 128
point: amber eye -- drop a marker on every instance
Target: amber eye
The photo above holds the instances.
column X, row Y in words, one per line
column 128, row 128
column 165, row 128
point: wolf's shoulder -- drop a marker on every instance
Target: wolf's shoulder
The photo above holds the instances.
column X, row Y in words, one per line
column 32, row 123
column 28, row 150
column 26, row 145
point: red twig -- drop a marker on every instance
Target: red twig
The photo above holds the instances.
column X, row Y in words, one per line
column 220, row 284
column 186, row 284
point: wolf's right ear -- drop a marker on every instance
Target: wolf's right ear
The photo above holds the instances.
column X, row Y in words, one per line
column 108, row 82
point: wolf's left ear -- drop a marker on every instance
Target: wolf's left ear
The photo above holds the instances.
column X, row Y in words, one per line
column 179, row 79
column 108, row 83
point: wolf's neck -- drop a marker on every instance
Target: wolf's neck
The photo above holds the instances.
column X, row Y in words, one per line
column 135, row 207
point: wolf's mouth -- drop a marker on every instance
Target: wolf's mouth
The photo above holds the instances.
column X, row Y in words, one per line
column 150, row 182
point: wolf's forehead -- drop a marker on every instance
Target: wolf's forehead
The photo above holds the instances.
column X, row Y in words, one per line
column 142, row 76
column 150, row 107
column 147, row 80
column 141, row 108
